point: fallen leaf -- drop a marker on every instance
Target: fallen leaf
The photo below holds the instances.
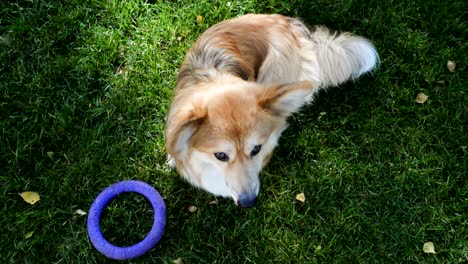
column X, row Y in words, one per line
column 300, row 197
column 451, row 65
column 28, row 235
column 215, row 202
column 429, row 247
column 192, row 208
column 120, row 70
column 80, row 212
column 421, row 98
column 318, row 249
column 178, row 261
column 30, row 197
column 199, row 20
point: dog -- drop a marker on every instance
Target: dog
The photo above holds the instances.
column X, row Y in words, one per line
column 236, row 88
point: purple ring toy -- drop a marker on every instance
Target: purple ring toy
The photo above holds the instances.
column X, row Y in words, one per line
column 154, row 235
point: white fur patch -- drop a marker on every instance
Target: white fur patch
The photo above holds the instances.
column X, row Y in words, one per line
column 210, row 172
column 282, row 65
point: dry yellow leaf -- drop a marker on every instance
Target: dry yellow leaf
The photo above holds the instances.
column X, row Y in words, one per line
column 28, row 235
column 451, row 65
column 120, row 70
column 300, row 197
column 199, row 20
column 421, row 98
column 80, row 212
column 178, row 261
column 429, row 247
column 30, row 197
column 192, row 208
column 318, row 249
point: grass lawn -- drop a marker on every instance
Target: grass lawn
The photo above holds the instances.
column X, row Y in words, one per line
column 84, row 89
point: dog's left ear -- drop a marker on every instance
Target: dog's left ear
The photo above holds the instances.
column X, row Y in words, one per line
column 284, row 100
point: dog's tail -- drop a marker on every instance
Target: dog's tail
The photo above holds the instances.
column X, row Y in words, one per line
column 341, row 56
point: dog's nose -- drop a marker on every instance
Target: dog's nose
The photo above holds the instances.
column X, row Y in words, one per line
column 247, row 200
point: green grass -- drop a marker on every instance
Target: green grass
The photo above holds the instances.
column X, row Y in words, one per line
column 84, row 89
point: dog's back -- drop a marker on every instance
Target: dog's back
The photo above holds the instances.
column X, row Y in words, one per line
column 272, row 49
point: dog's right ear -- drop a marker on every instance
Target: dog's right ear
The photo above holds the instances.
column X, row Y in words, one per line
column 284, row 100
column 181, row 125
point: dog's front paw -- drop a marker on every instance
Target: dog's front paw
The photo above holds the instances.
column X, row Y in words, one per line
column 171, row 161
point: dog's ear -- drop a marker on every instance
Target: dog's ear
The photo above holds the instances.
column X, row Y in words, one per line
column 284, row 100
column 181, row 125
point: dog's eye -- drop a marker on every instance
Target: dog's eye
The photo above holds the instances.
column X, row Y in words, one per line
column 255, row 150
column 221, row 156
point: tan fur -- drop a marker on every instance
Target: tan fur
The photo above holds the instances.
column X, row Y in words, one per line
column 238, row 85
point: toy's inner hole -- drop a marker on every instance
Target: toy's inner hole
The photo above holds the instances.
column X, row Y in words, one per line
column 127, row 219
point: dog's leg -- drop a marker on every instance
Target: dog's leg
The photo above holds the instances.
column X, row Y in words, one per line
column 171, row 161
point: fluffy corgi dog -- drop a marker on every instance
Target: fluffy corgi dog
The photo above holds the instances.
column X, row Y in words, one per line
column 237, row 87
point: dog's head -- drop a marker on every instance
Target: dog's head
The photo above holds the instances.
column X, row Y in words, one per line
column 222, row 135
